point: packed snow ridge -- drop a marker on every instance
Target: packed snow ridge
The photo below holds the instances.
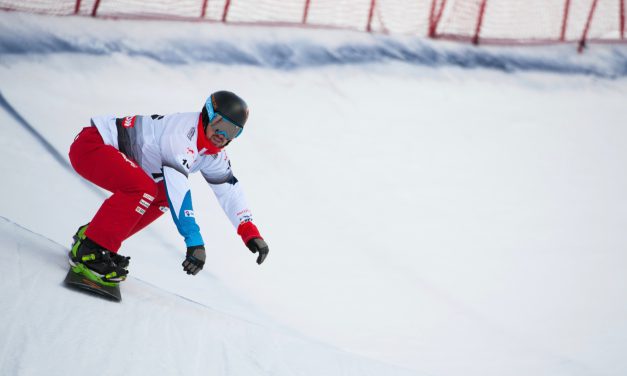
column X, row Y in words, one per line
column 290, row 49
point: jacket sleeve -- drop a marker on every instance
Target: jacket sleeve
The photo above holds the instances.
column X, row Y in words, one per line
column 230, row 195
column 180, row 202
column 232, row 200
column 176, row 164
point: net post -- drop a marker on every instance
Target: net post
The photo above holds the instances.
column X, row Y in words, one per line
column 77, row 7
column 622, row 19
column 306, row 11
column 94, row 10
column 434, row 19
column 431, row 32
column 565, row 20
column 475, row 38
column 584, row 36
column 370, row 15
column 225, row 13
column 203, row 11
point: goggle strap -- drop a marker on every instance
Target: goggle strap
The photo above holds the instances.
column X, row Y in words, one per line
column 210, row 110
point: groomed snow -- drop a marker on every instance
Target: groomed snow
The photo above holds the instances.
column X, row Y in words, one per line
column 52, row 330
column 448, row 218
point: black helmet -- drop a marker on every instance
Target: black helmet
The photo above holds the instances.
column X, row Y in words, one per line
column 227, row 104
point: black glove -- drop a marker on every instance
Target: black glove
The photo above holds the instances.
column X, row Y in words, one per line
column 258, row 245
column 195, row 259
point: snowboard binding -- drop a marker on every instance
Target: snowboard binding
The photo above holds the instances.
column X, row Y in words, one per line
column 94, row 268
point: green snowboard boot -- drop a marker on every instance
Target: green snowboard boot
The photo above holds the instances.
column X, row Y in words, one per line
column 120, row 260
column 95, row 262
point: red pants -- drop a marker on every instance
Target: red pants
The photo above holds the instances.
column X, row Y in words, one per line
column 136, row 198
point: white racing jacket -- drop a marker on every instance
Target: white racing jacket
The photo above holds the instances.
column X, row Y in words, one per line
column 169, row 148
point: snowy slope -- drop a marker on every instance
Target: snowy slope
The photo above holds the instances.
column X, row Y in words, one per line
column 451, row 210
column 49, row 329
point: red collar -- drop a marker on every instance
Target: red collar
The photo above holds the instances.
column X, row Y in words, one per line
column 204, row 145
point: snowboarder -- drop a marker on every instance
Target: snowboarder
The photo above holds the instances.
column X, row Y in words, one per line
column 145, row 161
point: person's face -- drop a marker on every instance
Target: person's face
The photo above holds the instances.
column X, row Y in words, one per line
column 216, row 139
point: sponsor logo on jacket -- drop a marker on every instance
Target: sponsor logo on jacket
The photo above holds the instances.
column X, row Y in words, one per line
column 188, row 158
column 129, row 121
column 191, row 133
column 244, row 216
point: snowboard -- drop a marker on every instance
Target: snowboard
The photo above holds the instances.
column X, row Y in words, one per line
column 78, row 281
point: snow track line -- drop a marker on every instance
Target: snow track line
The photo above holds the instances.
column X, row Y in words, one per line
column 30, row 129
column 10, row 221
column 203, row 305
column 42, row 140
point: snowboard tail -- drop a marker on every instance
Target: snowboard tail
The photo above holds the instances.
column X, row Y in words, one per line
column 75, row 279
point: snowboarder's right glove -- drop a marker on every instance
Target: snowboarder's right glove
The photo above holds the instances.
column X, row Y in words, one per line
column 195, row 259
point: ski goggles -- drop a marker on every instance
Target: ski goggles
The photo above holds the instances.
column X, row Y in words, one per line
column 221, row 125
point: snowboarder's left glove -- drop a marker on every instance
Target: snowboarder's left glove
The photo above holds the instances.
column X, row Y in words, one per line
column 258, row 245
column 253, row 240
column 195, row 259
